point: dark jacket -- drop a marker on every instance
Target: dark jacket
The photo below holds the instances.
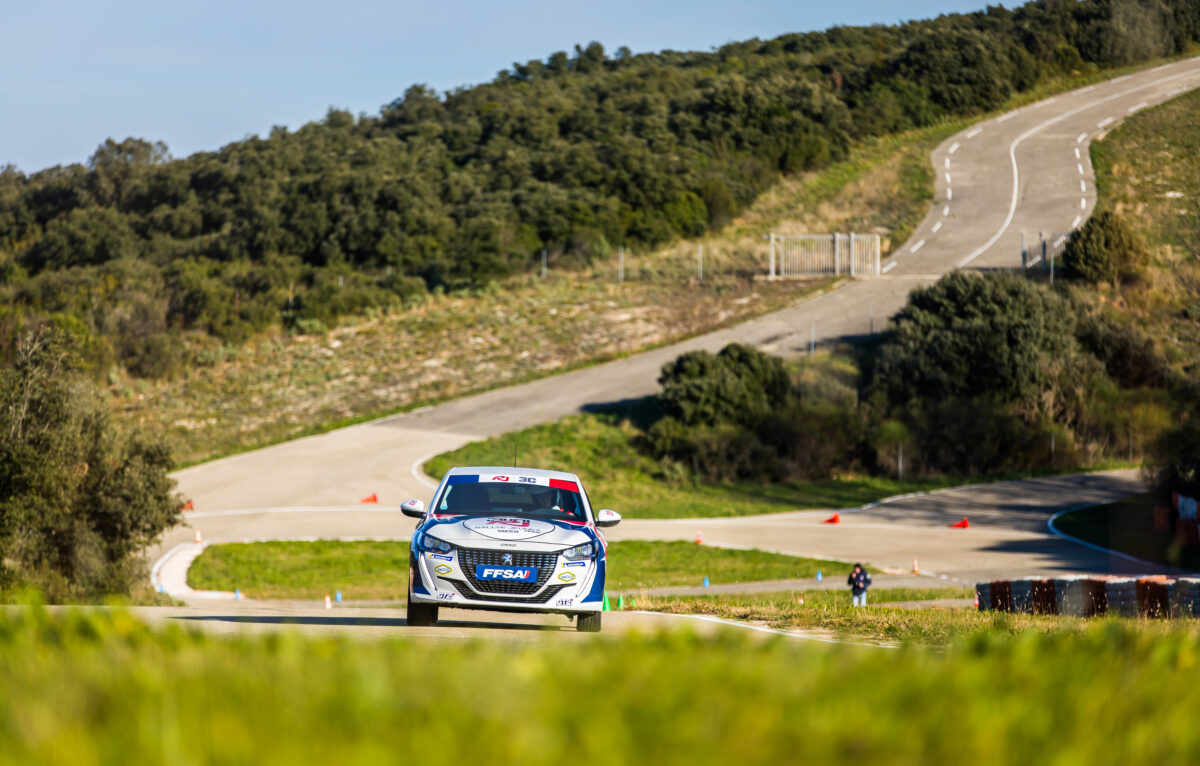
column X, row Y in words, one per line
column 858, row 582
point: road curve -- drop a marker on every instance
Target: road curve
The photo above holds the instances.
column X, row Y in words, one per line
column 1023, row 171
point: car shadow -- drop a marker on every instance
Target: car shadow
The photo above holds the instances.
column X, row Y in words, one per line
column 359, row 622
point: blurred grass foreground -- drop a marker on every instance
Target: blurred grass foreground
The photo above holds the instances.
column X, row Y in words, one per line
column 100, row 687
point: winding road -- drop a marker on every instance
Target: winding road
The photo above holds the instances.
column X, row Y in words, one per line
column 1023, row 171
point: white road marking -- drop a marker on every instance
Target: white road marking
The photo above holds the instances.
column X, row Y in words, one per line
column 1012, row 156
column 1075, row 223
column 1121, row 79
column 1105, row 122
column 1082, row 136
column 947, row 163
column 937, row 227
column 917, row 246
column 1088, row 89
column 1047, row 102
column 949, row 194
column 889, row 267
column 1006, row 117
column 1175, row 92
column 1077, row 154
column 947, row 178
column 1083, row 186
column 946, row 210
column 954, row 149
column 1080, row 166
column 1138, row 107
column 975, row 132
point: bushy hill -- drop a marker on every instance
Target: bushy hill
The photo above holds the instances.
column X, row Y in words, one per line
column 575, row 154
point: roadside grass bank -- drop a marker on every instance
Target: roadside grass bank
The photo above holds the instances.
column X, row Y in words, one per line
column 1128, row 527
column 101, row 687
column 831, row 611
column 372, row 570
column 603, row 449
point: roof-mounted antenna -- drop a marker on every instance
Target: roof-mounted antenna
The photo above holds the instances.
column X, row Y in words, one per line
column 514, row 452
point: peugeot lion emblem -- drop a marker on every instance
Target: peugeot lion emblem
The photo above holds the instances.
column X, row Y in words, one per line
column 506, row 558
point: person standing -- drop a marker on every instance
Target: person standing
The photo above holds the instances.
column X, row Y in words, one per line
column 858, row 581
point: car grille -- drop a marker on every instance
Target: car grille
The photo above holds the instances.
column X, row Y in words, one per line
column 545, row 563
column 540, row 598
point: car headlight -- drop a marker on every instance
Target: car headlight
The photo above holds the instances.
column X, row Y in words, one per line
column 432, row 544
column 580, row 552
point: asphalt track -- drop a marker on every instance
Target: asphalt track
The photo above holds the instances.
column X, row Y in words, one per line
column 1023, row 171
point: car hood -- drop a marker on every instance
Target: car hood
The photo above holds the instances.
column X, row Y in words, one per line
column 491, row 531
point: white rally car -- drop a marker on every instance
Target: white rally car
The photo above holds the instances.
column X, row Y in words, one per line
column 508, row 539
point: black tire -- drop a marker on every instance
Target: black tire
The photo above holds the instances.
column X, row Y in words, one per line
column 588, row 623
column 421, row 615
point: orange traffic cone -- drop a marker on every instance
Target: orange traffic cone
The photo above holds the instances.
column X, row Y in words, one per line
column 188, row 506
column 964, row 524
column 916, row 570
column 699, row 537
column 328, row 602
column 834, row 519
column 198, row 538
column 371, row 498
column 976, row 601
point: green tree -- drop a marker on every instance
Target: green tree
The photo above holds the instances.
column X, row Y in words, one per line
column 80, row 497
column 1105, row 249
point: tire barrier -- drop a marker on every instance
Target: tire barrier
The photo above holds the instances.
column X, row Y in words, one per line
column 1156, row 596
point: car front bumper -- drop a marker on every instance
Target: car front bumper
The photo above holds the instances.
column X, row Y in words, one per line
column 570, row 587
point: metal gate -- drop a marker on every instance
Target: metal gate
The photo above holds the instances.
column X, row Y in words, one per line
column 1045, row 251
column 819, row 255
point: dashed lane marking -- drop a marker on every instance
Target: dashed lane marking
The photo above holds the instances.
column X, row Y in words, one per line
column 1081, row 138
column 1080, row 166
column 1075, row 223
column 954, row 149
column 1077, row 154
column 1006, row 117
column 1138, row 107
column 975, row 132
column 1047, row 102
column 1176, row 92
column 1122, row 79
column 1088, row 89
column 889, row 267
column 950, row 194
column 1083, row 204
column 917, row 246
column 937, row 227
column 1105, row 122
column 1083, row 186
column 947, row 163
column 946, row 210
column 947, row 178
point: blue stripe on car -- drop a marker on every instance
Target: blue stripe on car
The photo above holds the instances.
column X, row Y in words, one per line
column 463, row 478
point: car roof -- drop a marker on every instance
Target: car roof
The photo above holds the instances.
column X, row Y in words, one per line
column 502, row 470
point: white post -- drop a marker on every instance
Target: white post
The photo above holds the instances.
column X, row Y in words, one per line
column 772, row 256
column 878, row 250
column 851, row 236
column 700, row 261
column 837, row 254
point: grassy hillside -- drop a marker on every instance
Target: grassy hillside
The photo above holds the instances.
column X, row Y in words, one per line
column 101, row 688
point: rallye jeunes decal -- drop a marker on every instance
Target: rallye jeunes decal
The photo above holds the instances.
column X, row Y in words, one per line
column 515, row 478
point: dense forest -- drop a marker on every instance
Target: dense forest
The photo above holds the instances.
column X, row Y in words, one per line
column 576, row 154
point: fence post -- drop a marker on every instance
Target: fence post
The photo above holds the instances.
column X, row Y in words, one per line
column 878, row 251
column 837, row 254
column 700, row 261
column 1024, row 256
column 852, row 270
column 1045, row 249
column 772, row 256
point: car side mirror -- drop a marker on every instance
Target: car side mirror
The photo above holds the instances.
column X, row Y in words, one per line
column 414, row 508
column 607, row 518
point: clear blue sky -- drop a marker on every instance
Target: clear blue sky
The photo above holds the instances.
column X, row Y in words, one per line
column 200, row 74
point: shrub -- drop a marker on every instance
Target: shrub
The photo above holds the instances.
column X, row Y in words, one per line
column 1105, row 249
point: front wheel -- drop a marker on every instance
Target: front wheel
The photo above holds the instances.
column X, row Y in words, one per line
column 422, row 615
column 588, row 623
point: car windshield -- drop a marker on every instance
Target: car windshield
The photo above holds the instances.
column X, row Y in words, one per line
column 512, row 496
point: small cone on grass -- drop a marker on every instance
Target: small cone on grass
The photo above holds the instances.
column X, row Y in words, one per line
column 620, row 602
column 198, row 538
column 834, row 519
column 705, row 584
column 916, row 569
column 604, row 605
column 328, row 602
column 371, row 498
column 699, row 537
